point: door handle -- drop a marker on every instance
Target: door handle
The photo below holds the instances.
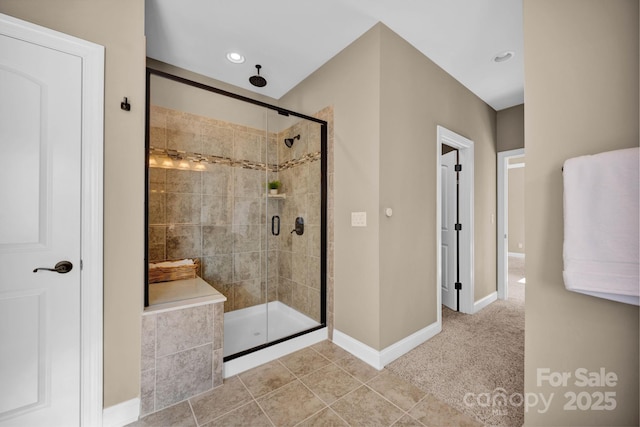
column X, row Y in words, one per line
column 62, row 267
column 275, row 228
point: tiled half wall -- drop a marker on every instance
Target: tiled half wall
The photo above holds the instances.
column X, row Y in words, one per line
column 181, row 354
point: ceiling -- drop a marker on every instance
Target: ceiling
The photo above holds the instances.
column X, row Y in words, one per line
column 293, row 38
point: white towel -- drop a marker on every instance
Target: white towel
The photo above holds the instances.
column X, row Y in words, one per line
column 601, row 225
column 172, row 263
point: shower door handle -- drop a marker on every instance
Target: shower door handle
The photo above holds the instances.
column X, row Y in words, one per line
column 275, row 228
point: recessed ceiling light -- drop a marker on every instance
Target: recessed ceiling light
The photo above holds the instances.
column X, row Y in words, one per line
column 235, row 57
column 504, row 56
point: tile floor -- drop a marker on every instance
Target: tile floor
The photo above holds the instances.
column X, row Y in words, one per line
column 321, row 385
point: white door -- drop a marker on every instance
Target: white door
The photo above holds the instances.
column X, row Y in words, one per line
column 448, row 238
column 40, row 176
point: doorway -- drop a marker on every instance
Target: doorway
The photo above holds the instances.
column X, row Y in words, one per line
column 465, row 241
column 508, row 247
column 449, row 233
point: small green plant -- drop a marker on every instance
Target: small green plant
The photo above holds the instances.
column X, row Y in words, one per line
column 274, row 185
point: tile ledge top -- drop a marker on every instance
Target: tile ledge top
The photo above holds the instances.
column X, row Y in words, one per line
column 179, row 294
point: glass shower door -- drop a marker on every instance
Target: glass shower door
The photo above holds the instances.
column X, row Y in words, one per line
column 294, row 218
column 246, row 309
column 239, row 186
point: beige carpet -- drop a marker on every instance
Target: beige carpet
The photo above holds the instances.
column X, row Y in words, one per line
column 480, row 354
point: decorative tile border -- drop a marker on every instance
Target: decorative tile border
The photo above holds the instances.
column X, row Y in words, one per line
column 200, row 159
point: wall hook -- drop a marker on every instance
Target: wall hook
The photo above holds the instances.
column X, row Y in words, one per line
column 125, row 105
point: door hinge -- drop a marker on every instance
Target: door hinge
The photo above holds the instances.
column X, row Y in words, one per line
column 458, row 227
column 81, row 265
column 458, row 285
column 458, row 168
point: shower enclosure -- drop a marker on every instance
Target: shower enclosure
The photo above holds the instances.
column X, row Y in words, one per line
column 212, row 158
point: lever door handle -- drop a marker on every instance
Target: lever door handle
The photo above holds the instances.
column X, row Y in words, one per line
column 62, row 267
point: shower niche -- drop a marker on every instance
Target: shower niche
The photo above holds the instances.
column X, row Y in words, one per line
column 211, row 157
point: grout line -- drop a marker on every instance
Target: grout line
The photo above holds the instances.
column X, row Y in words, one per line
column 349, row 373
column 311, row 416
column 418, row 402
column 193, row 414
column 339, row 416
column 155, row 363
column 264, row 412
column 230, row 410
column 382, row 396
column 315, row 394
column 279, row 360
column 187, row 349
column 245, row 386
column 310, row 372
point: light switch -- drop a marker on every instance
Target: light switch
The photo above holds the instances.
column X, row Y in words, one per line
column 358, row 219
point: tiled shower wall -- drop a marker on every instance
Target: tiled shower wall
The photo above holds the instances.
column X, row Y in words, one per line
column 218, row 215
column 299, row 256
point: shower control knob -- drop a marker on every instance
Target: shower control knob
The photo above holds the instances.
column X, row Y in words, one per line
column 62, row 267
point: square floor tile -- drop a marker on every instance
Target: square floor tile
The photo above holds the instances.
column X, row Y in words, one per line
column 398, row 391
column 220, row 400
column 364, row 407
column 290, row 404
column 432, row 412
column 330, row 383
column 244, row 416
column 266, row 378
column 324, row 418
column 330, row 350
column 357, row 368
column 407, row 421
column 304, row 361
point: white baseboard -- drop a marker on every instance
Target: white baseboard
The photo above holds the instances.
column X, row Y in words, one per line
column 260, row 357
column 482, row 303
column 360, row 350
column 516, row 255
column 379, row 359
column 407, row 344
column 121, row 414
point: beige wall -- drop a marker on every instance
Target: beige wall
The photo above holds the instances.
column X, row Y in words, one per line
column 416, row 96
column 510, row 125
column 350, row 82
column 178, row 96
column 119, row 26
column 581, row 79
column 516, row 209
column 385, row 148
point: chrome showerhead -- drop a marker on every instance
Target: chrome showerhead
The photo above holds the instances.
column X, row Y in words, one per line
column 258, row 80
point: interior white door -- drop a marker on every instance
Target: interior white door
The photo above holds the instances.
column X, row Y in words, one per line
column 448, row 221
column 40, row 195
